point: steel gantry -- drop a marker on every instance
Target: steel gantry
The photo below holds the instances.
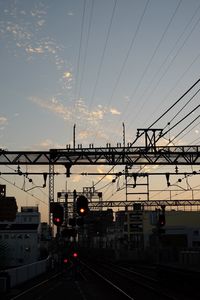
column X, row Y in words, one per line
column 173, row 155
column 127, row 156
column 151, row 204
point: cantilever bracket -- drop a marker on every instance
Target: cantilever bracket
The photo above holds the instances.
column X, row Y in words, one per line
column 68, row 166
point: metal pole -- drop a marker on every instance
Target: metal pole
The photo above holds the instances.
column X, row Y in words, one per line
column 74, row 136
column 124, row 140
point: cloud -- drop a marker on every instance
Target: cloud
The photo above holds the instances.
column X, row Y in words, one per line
column 83, row 134
column 114, row 111
column 67, row 75
column 78, row 110
column 54, row 106
column 41, row 22
column 37, row 50
column 47, row 144
column 70, row 13
column 24, row 27
column 96, row 115
column 76, row 178
column 90, row 122
column 126, row 99
column 102, row 169
column 3, row 120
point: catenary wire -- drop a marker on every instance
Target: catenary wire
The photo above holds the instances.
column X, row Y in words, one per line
column 86, row 48
column 155, row 52
column 176, row 102
column 80, row 48
column 128, row 52
column 127, row 56
column 163, row 134
column 184, row 129
column 23, row 190
column 179, row 79
column 102, row 56
column 171, row 62
column 189, row 132
column 192, row 98
column 166, row 113
column 166, row 58
column 173, row 105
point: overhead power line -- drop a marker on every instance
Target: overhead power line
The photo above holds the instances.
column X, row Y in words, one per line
column 103, row 54
column 161, row 67
column 129, row 51
column 185, row 127
column 80, row 46
column 183, row 107
column 86, row 48
column 158, row 119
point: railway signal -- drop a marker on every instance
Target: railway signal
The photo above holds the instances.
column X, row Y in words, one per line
column 161, row 217
column 82, row 205
column 65, row 260
column 58, row 214
column 75, row 254
column 161, row 220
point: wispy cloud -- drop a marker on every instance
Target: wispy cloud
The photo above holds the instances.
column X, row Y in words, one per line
column 91, row 123
column 37, row 50
column 47, row 144
column 54, row 106
column 3, row 120
column 114, row 111
column 79, row 110
column 102, row 169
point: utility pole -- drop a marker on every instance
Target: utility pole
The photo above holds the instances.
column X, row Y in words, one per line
column 74, row 136
column 124, row 138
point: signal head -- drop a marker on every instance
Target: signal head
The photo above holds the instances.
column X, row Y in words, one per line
column 58, row 214
column 75, row 254
column 82, row 205
column 161, row 220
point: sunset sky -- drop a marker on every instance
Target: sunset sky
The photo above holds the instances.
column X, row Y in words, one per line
column 99, row 65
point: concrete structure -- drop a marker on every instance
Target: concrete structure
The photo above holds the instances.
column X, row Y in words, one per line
column 95, row 227
column 135, row 235
column 137, row 226
column 19, row 240
column 45, row 237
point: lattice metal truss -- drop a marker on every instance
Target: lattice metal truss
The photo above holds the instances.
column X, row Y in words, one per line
column 174, row 155
column 127, row 156
column 98, row 205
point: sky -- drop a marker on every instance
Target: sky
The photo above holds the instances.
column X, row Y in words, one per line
column 105, row 68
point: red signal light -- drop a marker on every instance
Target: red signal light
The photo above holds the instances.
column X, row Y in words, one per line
column 161, row 220
column 58, row 213
column 56, row 220
column 65, row 260
column 75, row 254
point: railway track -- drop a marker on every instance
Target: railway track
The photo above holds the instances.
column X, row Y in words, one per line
column 133, row 284
column 92, row 280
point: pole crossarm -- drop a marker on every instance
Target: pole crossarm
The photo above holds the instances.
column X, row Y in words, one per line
column 147, row 203
column 150, row 203
column 175, row 155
